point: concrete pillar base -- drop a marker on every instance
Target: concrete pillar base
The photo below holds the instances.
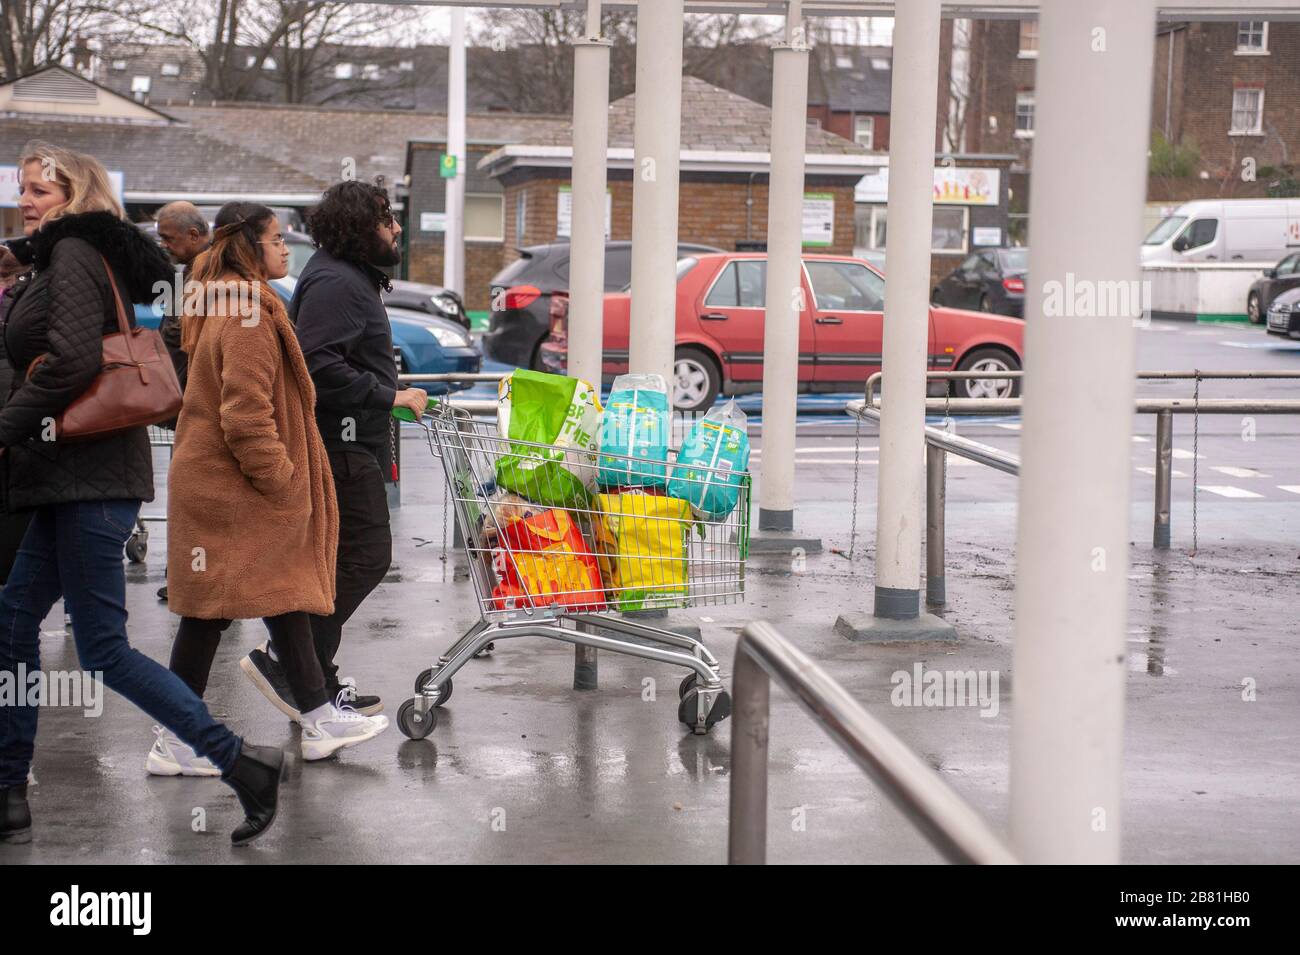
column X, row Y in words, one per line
column 862, row 627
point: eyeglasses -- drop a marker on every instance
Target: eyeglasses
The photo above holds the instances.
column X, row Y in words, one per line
column 276, row 242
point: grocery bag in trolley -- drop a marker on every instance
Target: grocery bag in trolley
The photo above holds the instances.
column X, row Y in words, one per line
column 541, row 560
column 712, row 462
column 642, row 541
column 634, row 433
column 558, row 417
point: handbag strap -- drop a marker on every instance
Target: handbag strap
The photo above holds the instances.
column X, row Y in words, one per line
column 122, row 325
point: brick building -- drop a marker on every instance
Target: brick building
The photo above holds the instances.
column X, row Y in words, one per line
column 848, row 92
column 1223, row 91
column 723, row 198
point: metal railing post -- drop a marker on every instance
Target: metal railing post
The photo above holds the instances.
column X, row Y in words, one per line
column 747, row 836
column 1164, row 478
column 936, row 491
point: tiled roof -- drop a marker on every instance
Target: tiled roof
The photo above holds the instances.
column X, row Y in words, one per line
column 713, row 119
column 852, row 78
column 317, row 139
column 162, row 158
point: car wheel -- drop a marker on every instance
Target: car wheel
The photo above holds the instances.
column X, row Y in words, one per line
column 993, row 360
column 696, row 380
column 1252, row 309
column 985, row 304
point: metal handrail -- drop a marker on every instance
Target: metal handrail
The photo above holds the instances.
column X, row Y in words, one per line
column 949, row 823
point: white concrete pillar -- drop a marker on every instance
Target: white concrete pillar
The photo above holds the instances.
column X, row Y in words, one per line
column 587, row 253
column 1086, row 202
column 657, row 138
column 913, row 108
column 453, row 262
column 785, row 298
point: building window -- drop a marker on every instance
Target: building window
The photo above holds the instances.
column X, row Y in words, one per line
column 406, row 66
column 140, row 85
column 250, row 62
column 1028, row 38
column 171, row 69
column 1252, row 36
column 343, row 71
column 1025, row 115
column 948, row 234
column 269, row 64
column 485, row 218
column 864, row 131
column 1247, row 112
column 370, row 71
column 119, row 65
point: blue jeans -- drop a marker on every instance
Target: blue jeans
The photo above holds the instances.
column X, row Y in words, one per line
column 74, row 551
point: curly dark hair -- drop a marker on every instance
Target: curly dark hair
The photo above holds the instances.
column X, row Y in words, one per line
column 344, row 221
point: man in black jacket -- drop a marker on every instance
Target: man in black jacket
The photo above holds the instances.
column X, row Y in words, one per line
column 183, row 233
column 343, row 328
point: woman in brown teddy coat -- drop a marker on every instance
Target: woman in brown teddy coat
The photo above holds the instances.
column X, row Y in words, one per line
column 252, row 522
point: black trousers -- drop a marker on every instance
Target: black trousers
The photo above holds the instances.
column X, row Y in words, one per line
column 365, row 549
column 291, row 638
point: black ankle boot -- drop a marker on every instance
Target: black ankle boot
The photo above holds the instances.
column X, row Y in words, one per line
column 15, row 817
column 255, row 779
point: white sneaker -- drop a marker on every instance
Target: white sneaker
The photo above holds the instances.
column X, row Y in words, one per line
column 171, row 757
column 343, row 727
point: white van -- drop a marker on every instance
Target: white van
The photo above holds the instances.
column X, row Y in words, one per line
column 1225, row 230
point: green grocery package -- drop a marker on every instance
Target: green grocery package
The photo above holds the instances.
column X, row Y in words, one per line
column 559, row 417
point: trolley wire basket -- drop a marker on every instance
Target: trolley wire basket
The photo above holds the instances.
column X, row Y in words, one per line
column 137, row 545
column 556, row 549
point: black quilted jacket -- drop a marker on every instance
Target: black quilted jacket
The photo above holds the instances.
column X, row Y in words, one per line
column 64, row 312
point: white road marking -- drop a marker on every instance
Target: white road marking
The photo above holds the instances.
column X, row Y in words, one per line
column 1141, row 440
column 1183, row 455
column 1227, row 490
column 1293, row 488
column 1172, row 473
column 1238, row 472
column 1010, row 427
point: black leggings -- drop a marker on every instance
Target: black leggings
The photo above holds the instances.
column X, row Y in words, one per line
column 196, row 647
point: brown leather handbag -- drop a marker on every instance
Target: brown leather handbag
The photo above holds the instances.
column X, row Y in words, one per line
column 136, row 385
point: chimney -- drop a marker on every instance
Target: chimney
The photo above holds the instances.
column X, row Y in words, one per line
column 82, row 57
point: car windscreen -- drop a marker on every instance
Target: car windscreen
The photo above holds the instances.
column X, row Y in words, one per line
column 1014, row 260
column 1167, row 227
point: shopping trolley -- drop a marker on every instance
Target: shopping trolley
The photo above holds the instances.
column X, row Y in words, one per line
column 137, row 545
column 571, row 570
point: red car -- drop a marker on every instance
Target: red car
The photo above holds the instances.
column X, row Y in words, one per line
column 720, row 312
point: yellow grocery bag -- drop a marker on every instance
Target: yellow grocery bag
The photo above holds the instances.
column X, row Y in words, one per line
column 641, row 542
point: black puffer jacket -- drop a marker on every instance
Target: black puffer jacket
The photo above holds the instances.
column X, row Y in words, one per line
column 64, row 313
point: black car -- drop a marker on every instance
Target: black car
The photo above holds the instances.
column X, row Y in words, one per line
column 521, row 296
column 1285, row 275
column 990, row 280
column 1284, row 314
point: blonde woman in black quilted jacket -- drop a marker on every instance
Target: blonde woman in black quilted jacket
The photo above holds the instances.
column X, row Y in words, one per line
column 84, row 496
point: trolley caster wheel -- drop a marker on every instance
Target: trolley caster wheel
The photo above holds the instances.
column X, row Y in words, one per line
column 487, row 649
column 427, row 675
column 413, row 723
column 136, row 549
column 688, row 681
column 720, row 710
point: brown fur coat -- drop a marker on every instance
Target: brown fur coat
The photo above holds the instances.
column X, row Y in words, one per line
column 252, row 522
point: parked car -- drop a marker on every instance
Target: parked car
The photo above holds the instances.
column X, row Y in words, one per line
column 991, row 280
column 1225, row 230
column 422, row 343
column 521, row 296
column 720, row 318
column 1285, row 275
column 418, row 296
column 1284, row 315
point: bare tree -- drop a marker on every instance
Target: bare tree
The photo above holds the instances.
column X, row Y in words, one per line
column 533, row 67
column 34, row 33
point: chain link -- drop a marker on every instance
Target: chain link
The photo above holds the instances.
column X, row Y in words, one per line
column 857, row 477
